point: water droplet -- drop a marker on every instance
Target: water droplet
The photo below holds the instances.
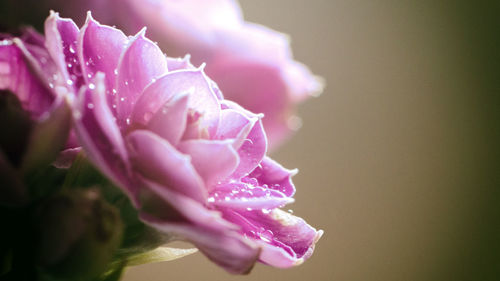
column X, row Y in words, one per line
column 126, row 83
column 211, row 199
column 290, row 211
column 69, row 82
column 266, row 211
column 114, row 91
column 90, row 106
column 114, row 105
column 91, row 86
column 51, row 85
column 122, row 99
column 128, row 121
column 115, row 71
column 70, row 65
column 249, row 209
column 266, row 235
column 71, row 49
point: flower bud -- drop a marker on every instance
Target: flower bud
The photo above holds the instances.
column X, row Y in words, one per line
column 78, row 234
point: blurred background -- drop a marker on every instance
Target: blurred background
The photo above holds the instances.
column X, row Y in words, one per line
column 399, row 157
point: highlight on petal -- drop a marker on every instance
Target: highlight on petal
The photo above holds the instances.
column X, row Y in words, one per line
column 247, row 196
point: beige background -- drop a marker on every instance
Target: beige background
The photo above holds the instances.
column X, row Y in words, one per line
column 396, row 157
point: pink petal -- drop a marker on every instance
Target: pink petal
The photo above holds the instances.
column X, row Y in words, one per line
column 140, row 64
column 99, row 48
column 185, row 209
column 271, row 174
column 170, row 121
column 61, row 40
column 260, row 88
column 251, row 151
column 214, row 160
column 21, row 74
column 179, row 63
column 201, row 98
column 234, row 125
column 229, row 250
column 215, row 237
column 158, row 160
column 286, row 240
column 247, row 196
column 100, row 136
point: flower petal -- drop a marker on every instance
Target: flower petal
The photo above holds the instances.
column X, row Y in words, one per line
column 157, row 160
column 99, row 48
column 234, row 125
column 252, row 150
column 286, row 240
column 170, row 121
column 19, row 73
column 100, row 136
column 216, row 238
column 271, row 174
column 247, row 196
column 140, row 64
column 61, row 37
column 214, row 160
column 201, row 97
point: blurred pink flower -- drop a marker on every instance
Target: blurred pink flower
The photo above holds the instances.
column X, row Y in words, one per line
column 193, row 163
column 252, row 64
column 35, row 118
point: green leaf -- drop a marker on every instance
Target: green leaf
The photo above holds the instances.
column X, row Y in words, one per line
column 159, row 255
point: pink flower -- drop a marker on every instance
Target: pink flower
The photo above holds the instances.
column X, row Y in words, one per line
column 35, row 118
column 193, row 163
column 252, row 64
